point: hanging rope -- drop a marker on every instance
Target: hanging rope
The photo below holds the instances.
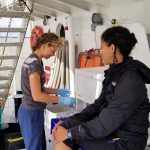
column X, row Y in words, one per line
column 60, row 74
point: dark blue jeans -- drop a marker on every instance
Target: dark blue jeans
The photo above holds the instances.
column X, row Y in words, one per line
column 32, row 128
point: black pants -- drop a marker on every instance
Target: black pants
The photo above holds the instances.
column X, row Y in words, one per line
column 107, row 143
column 91, row 145
column 95, row 144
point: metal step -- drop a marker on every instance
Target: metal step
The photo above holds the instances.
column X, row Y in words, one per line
column 3, row 95
column 22, row 30
column 4, row 68
column 7, row 72
column 10, row 44
column 5, row 77
column 8, row 57
column 14, row 14
column 4, row 86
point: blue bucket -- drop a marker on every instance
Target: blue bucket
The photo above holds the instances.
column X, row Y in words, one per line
column 55, row 121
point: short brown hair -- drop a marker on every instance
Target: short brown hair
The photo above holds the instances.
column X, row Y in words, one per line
column 50, row 38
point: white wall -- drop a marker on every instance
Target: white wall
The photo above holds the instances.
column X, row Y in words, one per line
column 123, row 11
column 129, row 11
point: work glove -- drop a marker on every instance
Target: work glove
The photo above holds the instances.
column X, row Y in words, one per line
column 63, row 92
column 70, row 101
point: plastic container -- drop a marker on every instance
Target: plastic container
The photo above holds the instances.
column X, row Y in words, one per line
column 18, row 92
column 55, row 121
column 11, row 138
column 17, row 101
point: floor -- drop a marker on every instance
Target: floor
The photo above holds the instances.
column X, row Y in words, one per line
column 8, row 116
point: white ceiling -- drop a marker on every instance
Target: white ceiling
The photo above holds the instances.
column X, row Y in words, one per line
column 61, row 7
column 56, row 8
column 51, row 8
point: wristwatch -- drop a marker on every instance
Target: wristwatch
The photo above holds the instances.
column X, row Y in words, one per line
column 69, row 135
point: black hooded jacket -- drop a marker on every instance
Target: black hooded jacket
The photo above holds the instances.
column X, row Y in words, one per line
column 121, row 110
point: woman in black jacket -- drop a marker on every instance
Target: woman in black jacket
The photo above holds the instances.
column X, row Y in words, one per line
column 118, row 119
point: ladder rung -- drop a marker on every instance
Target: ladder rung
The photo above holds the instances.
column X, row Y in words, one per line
column 5, row 77
column 13, row 30
column 3, row 95
column 4, row 68
column 14, row 14
column 11, row 44
column 4, row 86
column 8, row 57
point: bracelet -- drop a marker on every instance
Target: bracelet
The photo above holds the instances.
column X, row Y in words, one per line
column 69, row 135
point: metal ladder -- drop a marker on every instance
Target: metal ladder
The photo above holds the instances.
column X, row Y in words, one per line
column 10, row 48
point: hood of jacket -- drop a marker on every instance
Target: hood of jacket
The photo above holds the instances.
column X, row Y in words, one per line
column 130, row 64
